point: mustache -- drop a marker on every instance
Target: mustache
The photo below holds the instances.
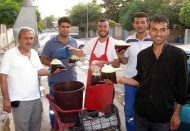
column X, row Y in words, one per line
column 28, row 44
column 158, row 36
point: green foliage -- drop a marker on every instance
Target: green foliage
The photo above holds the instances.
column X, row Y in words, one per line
column 112, row 8
column 38, row 15
column 171, row 11
column 128, row 13
column 184, row 14
column 9, row 11
column 78, row 15
column 20, row 2
column 39, row 27
column 94, row 1
column 112, row 23
column 160, row 7
column 49, row 20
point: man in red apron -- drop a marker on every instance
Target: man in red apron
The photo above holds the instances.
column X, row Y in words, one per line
column 103, row 52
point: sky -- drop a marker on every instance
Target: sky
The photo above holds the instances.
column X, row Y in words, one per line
column 56, row 7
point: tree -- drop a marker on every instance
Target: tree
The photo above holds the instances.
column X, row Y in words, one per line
column 112, row 23
column 94, row 1
column 49, row 21
column 9, row 11
column 171, row 11
column 112, row 8
column 128, row 12
column 20, row 2
column 161, row 7
column 43, row 23
column 79, row 12
column 38, row 15
column 184, row 14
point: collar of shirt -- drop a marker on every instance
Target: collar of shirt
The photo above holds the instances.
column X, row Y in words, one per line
column 17, row 50
column 57, row 39
column 147, row 38
column 163, row 49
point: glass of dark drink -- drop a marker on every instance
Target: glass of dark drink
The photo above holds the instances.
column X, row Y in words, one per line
column 96, row 75
column 108, row 72
column 121, row 45
column 55, row 64
column 73, row 60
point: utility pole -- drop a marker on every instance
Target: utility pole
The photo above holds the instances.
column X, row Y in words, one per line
column 87, row 22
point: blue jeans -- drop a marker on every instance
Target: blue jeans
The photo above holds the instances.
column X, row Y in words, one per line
column 141, row 124
column 51, row 114
column 128, row 107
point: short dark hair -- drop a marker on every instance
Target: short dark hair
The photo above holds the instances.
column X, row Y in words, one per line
column 159, row 19
column 64, row 19
column 141, row 15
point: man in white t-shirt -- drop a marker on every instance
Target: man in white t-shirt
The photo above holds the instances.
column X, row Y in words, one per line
column 101, row 50
column 138, row 41
column 19, row 71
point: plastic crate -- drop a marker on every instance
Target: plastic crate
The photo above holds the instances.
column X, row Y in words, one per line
column 105, row 120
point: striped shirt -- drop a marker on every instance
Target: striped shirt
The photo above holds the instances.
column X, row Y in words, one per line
column 131, row 53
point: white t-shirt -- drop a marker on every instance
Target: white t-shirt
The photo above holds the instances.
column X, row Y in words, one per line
column 100, row 48
column 132, row 52
column 23, row 82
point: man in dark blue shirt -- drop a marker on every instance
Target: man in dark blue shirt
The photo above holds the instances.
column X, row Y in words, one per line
column 49, row 53
column 162, row 78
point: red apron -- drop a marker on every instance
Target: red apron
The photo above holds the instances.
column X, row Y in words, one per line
column 98, row 96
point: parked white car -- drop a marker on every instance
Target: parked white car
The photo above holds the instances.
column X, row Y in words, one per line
column 43, row 38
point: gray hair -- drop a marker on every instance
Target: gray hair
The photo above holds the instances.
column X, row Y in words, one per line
column 24, row 29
